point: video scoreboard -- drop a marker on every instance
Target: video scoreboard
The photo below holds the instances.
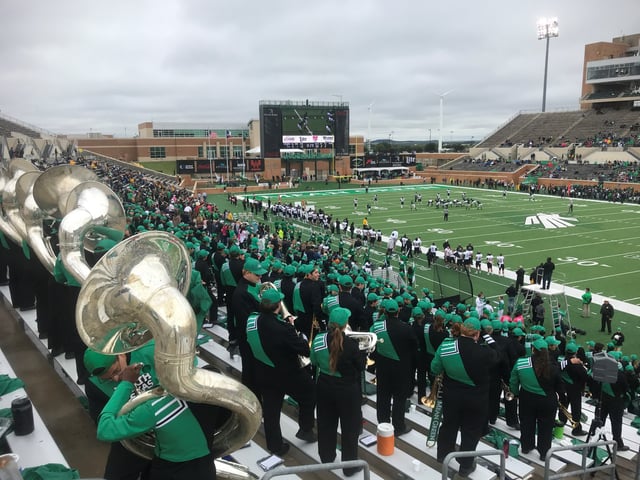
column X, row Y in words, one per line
column 303, row 125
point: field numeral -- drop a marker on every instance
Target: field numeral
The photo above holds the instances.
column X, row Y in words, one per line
column 439, row 230
column 582, row 263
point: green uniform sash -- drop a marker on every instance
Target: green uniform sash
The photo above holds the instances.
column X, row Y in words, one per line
column 320, row 354
column 452, row 362
column 607, row 390
column 427, row 340
column 527, row 374
column 253, row 337
column 297, row 299
column 226, row 276
column 384, row 347
column 329, row 303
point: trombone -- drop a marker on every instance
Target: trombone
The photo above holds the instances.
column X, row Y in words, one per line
column 508, row 394
column 303, row 361
column 430, row 400
column 566, row 413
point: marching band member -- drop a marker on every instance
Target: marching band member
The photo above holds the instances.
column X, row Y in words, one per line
column 537, row 383
column 275, row 346
column 393, row 366
column 466, row 366
column 340, row 365
column 245, row 300
column 574, row 375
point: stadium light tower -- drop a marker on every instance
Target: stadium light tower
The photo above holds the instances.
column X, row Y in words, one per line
column 370, row 108
column 547, row 28
column 442, row 95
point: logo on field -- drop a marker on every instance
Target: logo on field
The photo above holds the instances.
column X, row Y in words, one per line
column 550, row 220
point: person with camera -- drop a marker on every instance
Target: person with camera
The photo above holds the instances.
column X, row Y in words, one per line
column 340, row 364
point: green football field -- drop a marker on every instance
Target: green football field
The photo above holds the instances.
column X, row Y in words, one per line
column 595, row 246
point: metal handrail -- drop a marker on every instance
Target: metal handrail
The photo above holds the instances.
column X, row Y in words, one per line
column 586, row 449
column 476, row 453
column 319, row 467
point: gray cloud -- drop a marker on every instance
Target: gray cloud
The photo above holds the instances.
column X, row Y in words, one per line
column 72, row 66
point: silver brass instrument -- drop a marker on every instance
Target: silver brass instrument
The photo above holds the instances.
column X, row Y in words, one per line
column 48, row 199
column 430, row 400
column 567, row 414
column 11, row 222
column 135, row 292
column 284, row 311
column 367, row 341
column 90, row 204
column 508, row 394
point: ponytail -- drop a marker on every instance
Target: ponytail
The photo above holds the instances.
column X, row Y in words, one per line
column 336, row 347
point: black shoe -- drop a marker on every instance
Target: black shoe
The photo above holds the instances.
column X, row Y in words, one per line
column 57, row 351
column 526, row 451
column 43, row 335
column 465, row 472
column 282, row 451
column 308, row 436
column 350, row 472
column 623, row 448
column 578, row 432
column 69, row 356
column 4, row 283
column 403, row 431
column 515, row 426
column 27, row 308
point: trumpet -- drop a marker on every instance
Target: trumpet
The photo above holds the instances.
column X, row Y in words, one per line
column 567, row 414
column 430, row 401
column 508, row 394
column 284, row 311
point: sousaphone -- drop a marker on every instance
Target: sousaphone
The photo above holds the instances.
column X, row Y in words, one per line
column 89, row 205
column 136, row 292
column 48, row 199
column 12, row 224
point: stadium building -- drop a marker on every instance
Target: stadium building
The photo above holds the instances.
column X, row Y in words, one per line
column 312, row 140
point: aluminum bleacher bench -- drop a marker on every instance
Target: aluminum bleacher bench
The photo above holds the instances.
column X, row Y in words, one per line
column 38, row 447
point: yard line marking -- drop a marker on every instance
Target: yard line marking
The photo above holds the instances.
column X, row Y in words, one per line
column 585, row 280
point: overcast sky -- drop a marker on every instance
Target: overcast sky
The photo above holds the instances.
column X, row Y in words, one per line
column 104, row 66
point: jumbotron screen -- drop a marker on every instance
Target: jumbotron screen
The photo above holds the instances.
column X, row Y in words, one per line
column 292, row 125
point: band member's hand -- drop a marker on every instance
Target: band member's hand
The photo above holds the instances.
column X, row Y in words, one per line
column 131, row 372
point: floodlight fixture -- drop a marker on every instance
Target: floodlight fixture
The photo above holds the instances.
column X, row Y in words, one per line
column 547, row 28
